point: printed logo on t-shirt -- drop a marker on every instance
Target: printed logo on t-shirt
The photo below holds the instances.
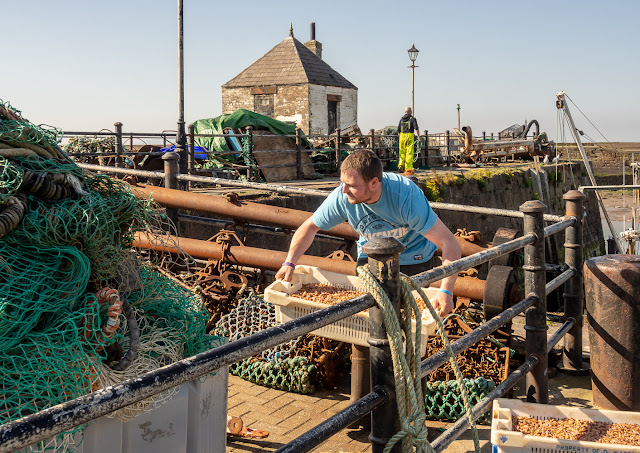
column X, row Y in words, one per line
column 373, row 226
column 417, row 257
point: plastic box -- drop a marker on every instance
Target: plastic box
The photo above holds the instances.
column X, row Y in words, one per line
column 354, row 329
column 193, row 421
column 507, row 441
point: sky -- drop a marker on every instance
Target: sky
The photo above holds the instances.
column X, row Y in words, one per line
column 84, row 65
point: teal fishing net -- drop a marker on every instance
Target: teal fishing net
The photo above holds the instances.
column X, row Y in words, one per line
column 68, row 241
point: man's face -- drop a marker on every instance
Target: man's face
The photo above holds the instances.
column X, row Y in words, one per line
column 356, row 190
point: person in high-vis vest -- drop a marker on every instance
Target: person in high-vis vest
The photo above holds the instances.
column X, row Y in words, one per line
column 407, row 129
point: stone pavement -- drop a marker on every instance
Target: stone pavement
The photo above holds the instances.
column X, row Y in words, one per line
column 288, row 415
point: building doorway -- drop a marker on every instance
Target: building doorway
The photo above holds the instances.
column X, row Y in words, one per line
column 332, row 116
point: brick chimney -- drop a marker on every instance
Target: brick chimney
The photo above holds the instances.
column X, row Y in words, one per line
column 313, row 45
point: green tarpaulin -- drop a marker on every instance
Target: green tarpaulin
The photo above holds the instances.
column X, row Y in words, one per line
column 238, row 120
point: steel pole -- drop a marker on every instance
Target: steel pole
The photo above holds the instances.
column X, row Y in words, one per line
column 181, row 136
column 119, row 145
column 413, row 67
column 573, row 289
column 384, row 261
column 537, row 383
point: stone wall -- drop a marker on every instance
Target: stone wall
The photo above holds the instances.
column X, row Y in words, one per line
column 509, row 188
column 305, row 105
column 236, row 98
column 292, row 105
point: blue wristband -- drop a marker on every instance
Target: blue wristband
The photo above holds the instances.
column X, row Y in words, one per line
column 446, row 292
column 287, row 263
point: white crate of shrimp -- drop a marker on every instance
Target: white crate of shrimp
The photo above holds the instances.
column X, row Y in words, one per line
column 529, row 427
column 312, row 289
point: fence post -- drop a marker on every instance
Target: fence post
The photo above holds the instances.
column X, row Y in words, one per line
column 448, row 138
column 171, row 169
column 426, row 149
column 384, row 260
column 119, row 145
column 573, row 289
column 191, row 163
column 299, row 172
column 372, row 140
column 338, row 155
column 537, row 381
column 249, row 132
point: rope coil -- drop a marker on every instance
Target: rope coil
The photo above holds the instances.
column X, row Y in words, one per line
column 406, row 366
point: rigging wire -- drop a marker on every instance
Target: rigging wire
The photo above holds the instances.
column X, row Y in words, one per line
column 590, row 122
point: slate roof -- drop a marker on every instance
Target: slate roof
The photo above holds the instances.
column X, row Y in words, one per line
column 289, row 63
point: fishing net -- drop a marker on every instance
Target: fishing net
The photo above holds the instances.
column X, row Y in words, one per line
column 274, row 367
column 65, row 240
column 91, row 145
column 18, row 133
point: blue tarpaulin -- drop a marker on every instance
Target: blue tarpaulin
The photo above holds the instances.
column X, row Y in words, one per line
column 200, row 152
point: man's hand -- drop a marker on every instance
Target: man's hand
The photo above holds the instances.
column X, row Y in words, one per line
column 443, row 303
column 285, row 273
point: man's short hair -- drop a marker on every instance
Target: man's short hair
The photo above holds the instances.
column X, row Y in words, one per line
column 365, row 162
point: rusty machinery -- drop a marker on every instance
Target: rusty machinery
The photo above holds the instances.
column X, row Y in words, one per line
column 489, row 358
column 517, row 146
column 498, row 291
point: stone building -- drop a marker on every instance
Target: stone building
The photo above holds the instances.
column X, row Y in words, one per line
column 292, row 83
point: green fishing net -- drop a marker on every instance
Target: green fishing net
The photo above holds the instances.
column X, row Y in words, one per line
column 53, row 346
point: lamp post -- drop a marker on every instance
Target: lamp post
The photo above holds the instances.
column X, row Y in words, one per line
column 458, row 116
column 181, row 136
column 413, row 54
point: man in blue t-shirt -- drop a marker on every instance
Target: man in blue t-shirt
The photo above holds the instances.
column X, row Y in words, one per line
column 378, row 204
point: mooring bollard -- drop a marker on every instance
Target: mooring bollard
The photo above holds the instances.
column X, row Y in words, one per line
column 573, row 289
column 537, row 381
column 384, row 261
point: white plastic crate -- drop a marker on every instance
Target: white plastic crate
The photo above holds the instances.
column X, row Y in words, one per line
column 193, row 421
column 504, row 439
column 354, row 329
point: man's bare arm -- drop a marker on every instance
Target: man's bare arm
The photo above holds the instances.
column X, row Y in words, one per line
column 440, row 235
column 300, row 242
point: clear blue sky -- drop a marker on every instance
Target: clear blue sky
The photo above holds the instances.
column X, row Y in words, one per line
column 83, row 65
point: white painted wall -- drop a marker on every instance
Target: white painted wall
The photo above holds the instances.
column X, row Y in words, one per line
column 347, row 107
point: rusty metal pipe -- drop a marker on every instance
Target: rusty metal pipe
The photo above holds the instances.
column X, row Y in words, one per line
column 241, row 210
column 240, row 255
column 468, row 287
column 258, row 213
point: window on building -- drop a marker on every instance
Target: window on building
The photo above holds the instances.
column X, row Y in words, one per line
column 263, row 104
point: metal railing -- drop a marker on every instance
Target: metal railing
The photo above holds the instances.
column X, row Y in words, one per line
column 384, row 257
column 432, row 149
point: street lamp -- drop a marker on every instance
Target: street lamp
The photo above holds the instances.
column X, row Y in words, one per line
column 458, row 116
column 413, row 54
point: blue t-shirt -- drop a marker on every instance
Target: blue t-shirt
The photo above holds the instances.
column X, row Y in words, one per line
column 402, row 212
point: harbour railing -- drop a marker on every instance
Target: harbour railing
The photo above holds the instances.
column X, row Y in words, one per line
column 380, row 402
column 128, row 150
